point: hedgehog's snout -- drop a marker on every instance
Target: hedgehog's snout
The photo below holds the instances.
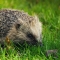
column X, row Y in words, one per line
column 33, row 39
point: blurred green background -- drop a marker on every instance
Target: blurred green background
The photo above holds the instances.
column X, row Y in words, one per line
column 48, row 12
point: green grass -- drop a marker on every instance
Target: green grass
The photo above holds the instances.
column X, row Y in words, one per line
column 48, row 12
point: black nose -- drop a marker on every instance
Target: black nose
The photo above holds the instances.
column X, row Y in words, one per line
column 41, row 44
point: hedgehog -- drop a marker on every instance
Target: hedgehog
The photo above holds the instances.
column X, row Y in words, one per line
column 18, row 26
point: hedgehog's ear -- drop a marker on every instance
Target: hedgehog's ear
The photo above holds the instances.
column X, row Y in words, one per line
column 36, row 19
column 18, row 23
column 18, row 26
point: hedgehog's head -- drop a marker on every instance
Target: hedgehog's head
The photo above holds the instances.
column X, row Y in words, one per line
column 29, row 31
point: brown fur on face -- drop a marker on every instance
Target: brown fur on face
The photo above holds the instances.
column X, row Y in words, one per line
column 19, row 26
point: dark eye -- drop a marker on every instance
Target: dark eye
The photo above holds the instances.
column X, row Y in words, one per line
column 31, row 36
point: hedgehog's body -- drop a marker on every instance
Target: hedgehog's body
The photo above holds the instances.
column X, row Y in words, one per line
column 18, row 26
